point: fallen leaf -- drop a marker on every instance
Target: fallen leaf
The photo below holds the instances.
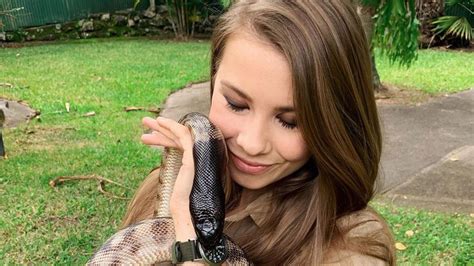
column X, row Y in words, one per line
column 409, row 233
column 398, row 225
column 89, row 114
column 137, row 108
column 154, row 110
column 133, row 108
column 6, row 84
column 400, row 246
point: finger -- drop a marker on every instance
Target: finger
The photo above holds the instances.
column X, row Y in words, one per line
column 184, row 138
column 181, row 132
column 154, row 124
column 158, row 139
column 149, row 122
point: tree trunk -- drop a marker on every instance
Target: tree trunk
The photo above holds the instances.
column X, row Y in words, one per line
column 152, row 6
column 366, row 13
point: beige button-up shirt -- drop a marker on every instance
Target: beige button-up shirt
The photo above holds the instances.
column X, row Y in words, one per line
column 254, row 213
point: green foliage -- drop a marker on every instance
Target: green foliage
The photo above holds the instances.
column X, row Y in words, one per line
column 184, row 13
column 226, row 3
column 396, row 31
column 456, row 25
column 135, row 3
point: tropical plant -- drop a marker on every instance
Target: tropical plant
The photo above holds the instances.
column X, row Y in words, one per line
column 460, row 23
column 392, row 27
column 395, row 30
column 183, row 14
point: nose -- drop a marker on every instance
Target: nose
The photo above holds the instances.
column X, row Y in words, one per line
column 253, row 138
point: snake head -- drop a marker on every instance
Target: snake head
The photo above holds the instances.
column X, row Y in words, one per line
column 209, row 231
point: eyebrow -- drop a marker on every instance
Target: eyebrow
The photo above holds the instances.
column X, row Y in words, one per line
column 282, row 109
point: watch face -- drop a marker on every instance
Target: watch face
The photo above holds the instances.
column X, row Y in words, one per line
column 217, row 255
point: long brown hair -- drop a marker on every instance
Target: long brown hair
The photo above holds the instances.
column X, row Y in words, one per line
column 327, row 51
column 325, row 46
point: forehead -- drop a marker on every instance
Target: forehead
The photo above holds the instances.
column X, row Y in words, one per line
column 257, row 68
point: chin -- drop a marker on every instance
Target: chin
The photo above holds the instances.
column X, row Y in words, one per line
column 248, row 182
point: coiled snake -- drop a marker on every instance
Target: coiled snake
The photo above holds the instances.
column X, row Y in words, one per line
column 150, row 241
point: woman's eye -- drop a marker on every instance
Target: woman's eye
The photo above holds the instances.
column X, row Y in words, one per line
column 285, row 124
column 239, row 108
column 234, row 107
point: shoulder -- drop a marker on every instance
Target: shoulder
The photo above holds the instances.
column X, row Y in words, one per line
column 365, row 222
column 348, row 257
column 366, row 240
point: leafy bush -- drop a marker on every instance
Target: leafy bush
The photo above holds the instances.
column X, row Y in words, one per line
column 458, row 20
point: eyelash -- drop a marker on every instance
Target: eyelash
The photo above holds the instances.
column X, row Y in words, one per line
column 237, row 109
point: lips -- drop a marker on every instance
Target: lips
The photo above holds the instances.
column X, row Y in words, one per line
column 248, row 167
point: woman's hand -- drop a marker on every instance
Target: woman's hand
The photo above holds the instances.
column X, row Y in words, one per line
column 169, row 133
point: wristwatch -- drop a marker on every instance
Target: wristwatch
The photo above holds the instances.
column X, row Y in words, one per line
column 192, row 250
column 185, row 251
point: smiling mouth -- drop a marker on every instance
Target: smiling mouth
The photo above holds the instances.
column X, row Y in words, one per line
column 248, row 167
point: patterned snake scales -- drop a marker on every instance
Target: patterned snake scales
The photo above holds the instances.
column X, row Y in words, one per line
column 150, row 241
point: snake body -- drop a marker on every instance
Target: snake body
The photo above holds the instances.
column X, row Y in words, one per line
column 150, row 241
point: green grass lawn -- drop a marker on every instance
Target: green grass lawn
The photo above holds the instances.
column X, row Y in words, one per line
column 434, row 72
column 42, row 225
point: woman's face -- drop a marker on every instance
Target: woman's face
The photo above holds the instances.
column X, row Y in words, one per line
column 252, row 104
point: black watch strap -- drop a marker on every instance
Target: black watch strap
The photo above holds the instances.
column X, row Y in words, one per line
column 185, row 251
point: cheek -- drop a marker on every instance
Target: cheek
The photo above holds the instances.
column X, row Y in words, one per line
column 220, row 117
column 293, row 148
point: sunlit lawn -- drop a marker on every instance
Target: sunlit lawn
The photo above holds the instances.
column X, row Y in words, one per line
column 434, row 72
column 42, row 225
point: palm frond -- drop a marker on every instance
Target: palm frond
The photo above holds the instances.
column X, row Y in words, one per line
column 454, row 2
column 457, row 26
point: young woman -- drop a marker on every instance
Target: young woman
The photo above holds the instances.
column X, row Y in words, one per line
column 292, row 94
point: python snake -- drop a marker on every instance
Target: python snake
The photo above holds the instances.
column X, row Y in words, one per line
column 150, row 241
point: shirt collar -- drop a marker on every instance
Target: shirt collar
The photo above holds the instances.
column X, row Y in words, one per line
column 256, row 210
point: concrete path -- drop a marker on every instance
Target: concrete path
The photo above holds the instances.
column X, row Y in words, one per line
column 428, row 157
column 416, row 137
